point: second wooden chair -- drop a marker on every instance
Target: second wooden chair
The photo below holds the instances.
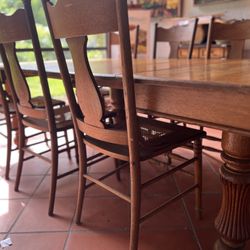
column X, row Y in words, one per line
column 42, row 113
column 140, row 138
column 113, row 38
column 183, row 32
column 234, row 34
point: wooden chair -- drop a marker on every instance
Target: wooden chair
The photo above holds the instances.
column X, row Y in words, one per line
column 183, row 32
column 8, row 112
column 35, row 113
column 9, row 119
column 234, row 34
column 140, row 138
column 43, row 113
column 113, row 38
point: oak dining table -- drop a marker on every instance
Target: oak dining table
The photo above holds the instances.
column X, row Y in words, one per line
column 212, row 93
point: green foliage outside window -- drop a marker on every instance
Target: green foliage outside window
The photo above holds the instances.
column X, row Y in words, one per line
column 9, row 6
column 56, row 87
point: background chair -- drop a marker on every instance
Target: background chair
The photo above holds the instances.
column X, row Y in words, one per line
column 234, row 35
column 42, row 114
column 113, row 42
column 113, row 38
column 137, row 140
column 183, row 32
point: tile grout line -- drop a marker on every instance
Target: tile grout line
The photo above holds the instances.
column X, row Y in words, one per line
column 29, row 200
column 69, row 230
column 210, row 165
column 196, row 238
column 187, row 213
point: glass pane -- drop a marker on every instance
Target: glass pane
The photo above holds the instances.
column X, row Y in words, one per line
column 96, row 43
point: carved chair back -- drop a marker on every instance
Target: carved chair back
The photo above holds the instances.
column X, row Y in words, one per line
column 66, row 20
column 183, row 32
column 113, row 38
column 234, row 34
column 21, row 27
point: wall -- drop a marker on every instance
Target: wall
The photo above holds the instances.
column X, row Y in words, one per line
column 235, row 9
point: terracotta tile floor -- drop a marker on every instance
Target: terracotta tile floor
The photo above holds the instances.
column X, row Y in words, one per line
column 23, row 215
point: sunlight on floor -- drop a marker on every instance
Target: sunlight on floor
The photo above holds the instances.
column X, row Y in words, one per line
column 4, row 204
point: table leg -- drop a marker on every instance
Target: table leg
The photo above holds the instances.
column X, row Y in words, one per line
column 233, row 220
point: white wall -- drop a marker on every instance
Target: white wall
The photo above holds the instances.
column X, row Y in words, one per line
column 234, row 9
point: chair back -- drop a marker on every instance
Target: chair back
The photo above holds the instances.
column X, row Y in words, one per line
column 21, row 27
column 183, row 32
column 234, row 34
column 113, row 38
column 74, row 20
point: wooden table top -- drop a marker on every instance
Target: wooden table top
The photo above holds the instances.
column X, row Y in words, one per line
column 213, row 93
column 220, row 73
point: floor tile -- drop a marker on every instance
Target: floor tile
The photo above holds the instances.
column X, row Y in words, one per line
column 172, row 217
column 214, row 161
column 211, row 180
column 164, row 187
column 207, row 238
column 66, row 187
column 87, row 240
column 2, row 236
column 26, row 189
column 171, row 240
column 112, row 181
column 13, row 162
column 65, row 164
column 114, row 214
column 38, row 241
column 9, row 212
column 2, row 171
column 102, row 166
column 35, row 217
column 211, row 205
column 31, row 167
column 104, row 213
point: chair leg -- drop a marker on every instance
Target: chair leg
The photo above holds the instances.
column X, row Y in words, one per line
column 9, row 144
column 118, row 173
column 82, row 181
column 54, row 172
column 21, row 145
column 135, row 206
column 46, row 139
column 168, row 158
column 198, row 177
column 76, row 147
column 67, row 143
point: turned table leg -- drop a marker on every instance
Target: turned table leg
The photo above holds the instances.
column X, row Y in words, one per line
column 233, row 220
